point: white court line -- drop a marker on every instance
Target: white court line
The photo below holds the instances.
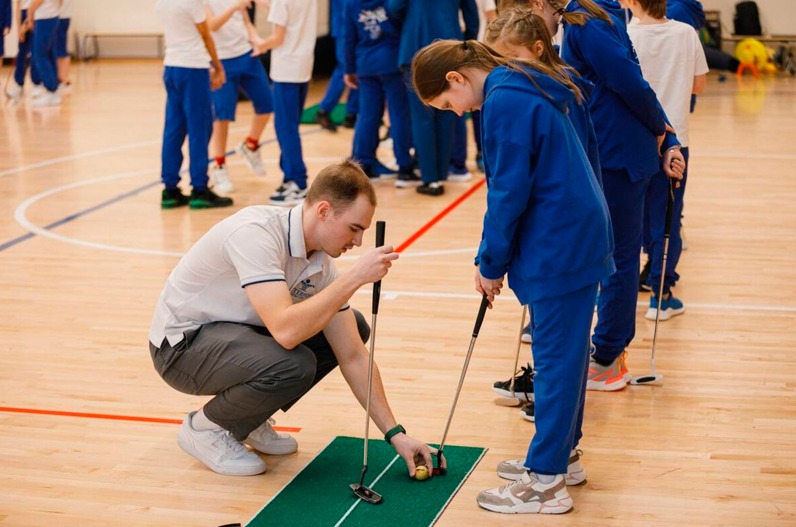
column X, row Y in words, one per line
column 352, row 507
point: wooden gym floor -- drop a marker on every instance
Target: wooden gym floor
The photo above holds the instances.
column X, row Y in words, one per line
column 88, row 430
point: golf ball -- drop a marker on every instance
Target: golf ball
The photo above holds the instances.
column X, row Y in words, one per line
column 421, row 473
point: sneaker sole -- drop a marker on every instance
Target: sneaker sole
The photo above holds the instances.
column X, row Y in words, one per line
column 666, row 314
column 272, row 451
column 601, row 386
column 522, row 396
column 549, row 507
column 407, row 184
column 240, row 471
column 527, row 339
column 531, row 418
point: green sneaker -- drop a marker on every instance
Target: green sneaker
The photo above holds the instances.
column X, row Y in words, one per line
column 207, row 199
column 172, row 198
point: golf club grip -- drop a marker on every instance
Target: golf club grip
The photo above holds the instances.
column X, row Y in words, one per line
column 480, row 318
column 380, row 227
column 667, row 227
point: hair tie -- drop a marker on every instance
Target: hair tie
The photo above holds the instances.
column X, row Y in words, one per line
column 560, row 11
column 465, row 46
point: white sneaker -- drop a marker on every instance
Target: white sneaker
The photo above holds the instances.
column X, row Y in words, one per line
column 218, row 450
column 252, row 158
column 219, row 175
column 458, row 177
column 513, row 469
column 47, row 99
column 288, row 194
column 13, row 90
column 37, row 91
column 269, row 441
column 64, row 88
column 528, row 495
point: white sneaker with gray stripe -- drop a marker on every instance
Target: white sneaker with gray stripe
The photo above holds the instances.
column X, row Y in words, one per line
column 528, row 495
column 513, row 469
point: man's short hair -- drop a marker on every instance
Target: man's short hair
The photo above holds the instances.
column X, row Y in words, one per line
column 340, row 185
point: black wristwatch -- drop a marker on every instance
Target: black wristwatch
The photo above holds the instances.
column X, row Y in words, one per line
column 392, row 432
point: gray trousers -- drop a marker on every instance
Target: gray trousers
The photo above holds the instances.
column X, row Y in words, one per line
column 245, row 368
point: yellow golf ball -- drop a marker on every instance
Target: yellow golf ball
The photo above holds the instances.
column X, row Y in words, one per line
column 421, row 473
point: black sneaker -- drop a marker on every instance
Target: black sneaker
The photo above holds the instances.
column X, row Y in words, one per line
column 350, row 120
column 434, row 188
column 207, row 199
column 407, row 178
column 527, row 412
column 172, row 198
column 523, row 385
column 643, row 286
column 325, row 120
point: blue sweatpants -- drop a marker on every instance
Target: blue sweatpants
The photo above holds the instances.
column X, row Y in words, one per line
column 336, row 86
column 289, row 98
column 561, row 360
column 654, row 219
column 188, row 112
column 459, row 146
column 43, row 52
column 24, row 57
column 616, row 308
column 432, row 135
column 373, row 90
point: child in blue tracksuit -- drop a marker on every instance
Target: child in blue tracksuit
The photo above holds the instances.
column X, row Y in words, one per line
column 5, row 25
column 432, row 131
column 44, row 20
column 371, row 58
column 631, row 128
column 520, row 34
column 336, row 86
column 546, row 226
column 23, row 60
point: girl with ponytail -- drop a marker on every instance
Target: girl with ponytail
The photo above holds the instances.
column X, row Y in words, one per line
column 546, row 226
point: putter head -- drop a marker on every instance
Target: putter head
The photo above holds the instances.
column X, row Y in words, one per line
column 646, row 379
column 440, row 468
column 366, row 494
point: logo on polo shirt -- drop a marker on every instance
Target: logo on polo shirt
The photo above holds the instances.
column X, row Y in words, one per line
column 301, row 291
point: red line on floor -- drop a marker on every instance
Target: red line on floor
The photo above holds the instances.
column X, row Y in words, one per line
column 158, row 420
column 458, row 201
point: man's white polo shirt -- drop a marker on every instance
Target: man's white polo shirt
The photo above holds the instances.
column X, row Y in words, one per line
column 257, row 244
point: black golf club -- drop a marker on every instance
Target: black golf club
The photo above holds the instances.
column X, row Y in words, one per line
column 363, row 492
column 441, row 467
column 667, row 229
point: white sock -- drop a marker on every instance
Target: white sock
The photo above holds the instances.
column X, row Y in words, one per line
column 200, row 422
column 545, row 479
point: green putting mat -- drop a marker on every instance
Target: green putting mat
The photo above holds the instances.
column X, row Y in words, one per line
column 337, row 115
column 320, row 495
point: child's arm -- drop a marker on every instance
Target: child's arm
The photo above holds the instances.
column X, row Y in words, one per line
column 275, row 40
column 699, row 84
column 214, row 22
column 217, row 75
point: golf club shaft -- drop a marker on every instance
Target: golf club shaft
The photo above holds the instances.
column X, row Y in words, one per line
column 519, row 347
column 380, row 227
column 667, row 231
column 478, row 321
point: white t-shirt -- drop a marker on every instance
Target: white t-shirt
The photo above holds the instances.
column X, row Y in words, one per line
column 293, row 60
column 483, row 7
column 231, row 39
column 184, row 45
column 47, row 9
column 671, row 56
column 256, row 244
column 66, row 9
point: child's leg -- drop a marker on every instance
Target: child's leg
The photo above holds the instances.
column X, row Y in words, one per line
column 43, row 52
column 289, row 100
column 616, row 324
column 198, row 109
column 444, row 122
column 336, row 86
column 218, row 141
column 398, row 108
column 366, row 133
column 561, row 359
column 174, row 130
column 62, row 54
column 459, row 144
column 655, row 210
column 224, row 103
column 255, row 83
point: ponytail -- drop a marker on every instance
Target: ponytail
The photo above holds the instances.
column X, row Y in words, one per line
column 580, row 19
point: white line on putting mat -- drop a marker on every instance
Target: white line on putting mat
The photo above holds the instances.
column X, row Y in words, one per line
column 351, row 508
